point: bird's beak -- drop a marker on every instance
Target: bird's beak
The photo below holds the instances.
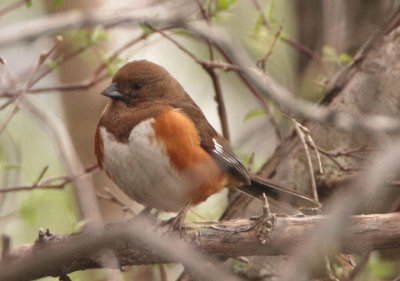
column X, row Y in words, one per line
column 112, row 92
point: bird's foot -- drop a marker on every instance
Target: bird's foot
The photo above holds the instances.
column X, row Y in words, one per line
column 177, row 222
column 264, row 224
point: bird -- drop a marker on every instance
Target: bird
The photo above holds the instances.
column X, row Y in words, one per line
column 156, row 144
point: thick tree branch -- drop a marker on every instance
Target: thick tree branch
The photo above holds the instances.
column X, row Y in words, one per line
column 62, row 254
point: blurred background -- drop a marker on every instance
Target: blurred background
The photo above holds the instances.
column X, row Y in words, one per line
column 304, row 42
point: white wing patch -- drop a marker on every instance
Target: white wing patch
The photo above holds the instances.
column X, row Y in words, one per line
column 142, row 169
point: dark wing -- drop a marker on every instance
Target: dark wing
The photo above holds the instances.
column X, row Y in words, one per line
column 211, row 141
column 223, row 153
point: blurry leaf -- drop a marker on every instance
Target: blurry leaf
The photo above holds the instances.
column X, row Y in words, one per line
column 345, row 58
column 257, row 24
column 283, row 35
column 113, row 65
column 269, row 11
column 27, row 211
column 98, row 34
column 253, row 113
column 322, row 82
column 380, row 269
column 57, row 3
column 52, row 64
column 145, row 28
column 10, row 166
column 83, row 37
column 224, row 4
column 221, row 17
column 78, row 38
column 28, row 3
column 329, row 54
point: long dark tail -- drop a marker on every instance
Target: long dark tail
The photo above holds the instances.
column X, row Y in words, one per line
column 259, row 186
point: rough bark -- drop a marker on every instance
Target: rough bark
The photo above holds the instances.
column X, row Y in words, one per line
column 369, row 85
column 55, row 255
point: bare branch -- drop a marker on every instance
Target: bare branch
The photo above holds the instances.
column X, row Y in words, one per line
column 84, row 188
column 302, row 137
column 48, row 183
column 68, row 253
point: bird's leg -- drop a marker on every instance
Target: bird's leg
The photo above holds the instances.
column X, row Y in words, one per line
column 264, row 223
column 177, row 221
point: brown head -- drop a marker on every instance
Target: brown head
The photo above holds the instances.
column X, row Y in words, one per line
column 141, row 81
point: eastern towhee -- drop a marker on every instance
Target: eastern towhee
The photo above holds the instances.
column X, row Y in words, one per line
column 157, row 146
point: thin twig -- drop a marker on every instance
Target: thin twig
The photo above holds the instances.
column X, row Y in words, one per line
column 302, row 137
column 296, row 45
column 48, row 183
column 311, row 142
column 11, row 115
column 85, row 84
column 262, row 61
column 19, row 97
column 262, row 15
column 329, row 271
column 314, row 146
column 255, row 93
column 219, row 98
column 214, row 77
column 42, row 58
column 6, row 104
column 12, row 7
column 332, row 155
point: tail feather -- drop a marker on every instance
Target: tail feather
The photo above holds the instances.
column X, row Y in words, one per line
column 259, row 186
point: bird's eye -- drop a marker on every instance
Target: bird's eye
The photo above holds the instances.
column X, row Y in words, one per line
column 137, row 85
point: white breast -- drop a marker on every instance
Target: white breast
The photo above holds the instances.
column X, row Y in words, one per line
column 142, row 169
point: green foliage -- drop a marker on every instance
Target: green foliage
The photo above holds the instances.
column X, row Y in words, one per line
column 52, row 64
column 329, row 54
column 220, row 8
column 57, row 3
column 345, row 58
column 5, row 165
column 145, row 28
column 9, row 166
column 85, row 38
column 253, row 113
column 268, row 14
column 27, row 212
column 28, row 3
column 321, row 81
column 269, row 11
column 221, row 5
column 221, row 17
column 112, row 65
column 98, row 34
column 261, row 31
column 379, row 269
